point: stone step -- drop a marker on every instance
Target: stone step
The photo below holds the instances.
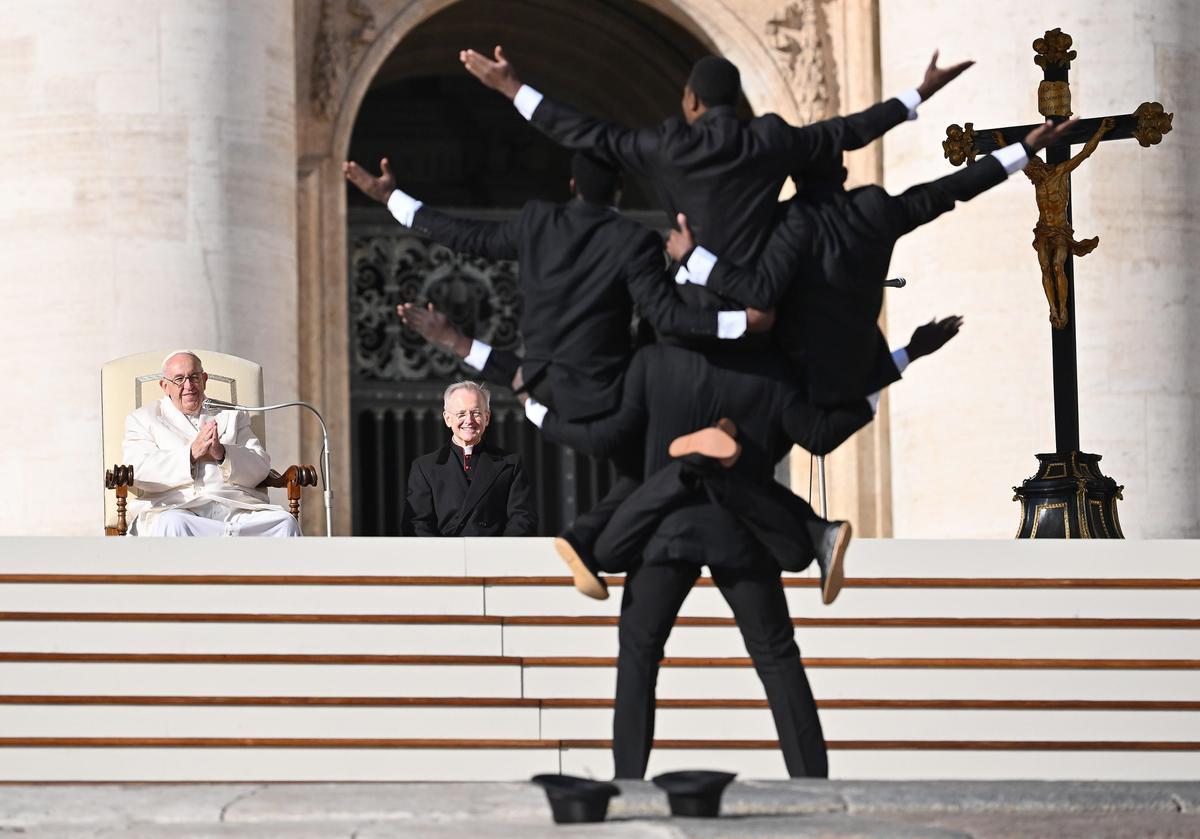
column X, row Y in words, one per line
column 863, row 596
column 529, row 719
column 492, row 676
column 534, row 557
column 823, row 636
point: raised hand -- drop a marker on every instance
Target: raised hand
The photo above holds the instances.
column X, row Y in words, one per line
column 434, row 327
column 216, row 449
column 380, row 188
column 681, row 241
column 203, row 443
column 1107, row 124
column 931, row 337
column 938, row 77
column 498, row 74
column 1048, row 134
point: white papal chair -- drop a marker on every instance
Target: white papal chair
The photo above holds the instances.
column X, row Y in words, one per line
column 130, row 382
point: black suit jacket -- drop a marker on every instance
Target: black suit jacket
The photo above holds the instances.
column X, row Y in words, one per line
column 824, row 268
column 670, row 391
column 724, row 173
column 495, row 502
column 582, row 269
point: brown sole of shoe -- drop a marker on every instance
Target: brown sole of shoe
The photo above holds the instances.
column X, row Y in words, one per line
column 586, row 582
column 710, row 442
column 836, row 575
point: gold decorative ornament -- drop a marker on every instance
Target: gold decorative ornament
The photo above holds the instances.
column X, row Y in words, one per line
column 1152, row 124
column 1053, row 49
column 1054, row 99
column 959, row 144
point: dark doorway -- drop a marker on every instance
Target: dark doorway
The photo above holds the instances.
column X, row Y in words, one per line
column 456, row 145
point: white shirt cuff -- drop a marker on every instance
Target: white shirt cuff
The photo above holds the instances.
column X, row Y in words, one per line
column 403, row 206
column 731, row 325
column 1012, row 158
column 479, row 354
column 535, row 411
column 527, row 100
column 900, row 359
column 700, row 265
column 682, row 275
column 911, row 100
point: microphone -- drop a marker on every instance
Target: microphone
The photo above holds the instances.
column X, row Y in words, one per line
column 217, row 405
column 898, row 282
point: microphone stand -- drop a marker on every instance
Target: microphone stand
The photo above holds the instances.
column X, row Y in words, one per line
column 222, row 405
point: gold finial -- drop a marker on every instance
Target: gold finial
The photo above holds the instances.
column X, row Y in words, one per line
column 1152, row 124
column 959, row 145
column 1053, row 49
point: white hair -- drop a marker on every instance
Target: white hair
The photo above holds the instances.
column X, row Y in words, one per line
column 468, row 385
column 163, row 367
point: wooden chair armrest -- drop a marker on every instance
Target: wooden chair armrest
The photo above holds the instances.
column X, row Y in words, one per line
column 305, row 476
column 119, row 478
column 293, row 478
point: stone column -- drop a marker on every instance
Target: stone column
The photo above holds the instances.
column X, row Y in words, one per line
column 147, row 199
column 965, row 425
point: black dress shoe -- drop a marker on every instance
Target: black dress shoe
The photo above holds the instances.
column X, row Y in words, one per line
column 830, row 539
column 574, row 800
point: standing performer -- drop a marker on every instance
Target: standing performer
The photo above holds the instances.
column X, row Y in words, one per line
column 672, row 391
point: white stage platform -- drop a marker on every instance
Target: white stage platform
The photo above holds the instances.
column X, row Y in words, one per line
column 422, row 659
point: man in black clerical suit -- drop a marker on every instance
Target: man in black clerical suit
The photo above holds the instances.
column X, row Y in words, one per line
column 826, row 261
column 723, row 172
column 467, row 487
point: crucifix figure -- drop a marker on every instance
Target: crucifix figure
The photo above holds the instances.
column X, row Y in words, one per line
column 1053, row 237
column 1069, row 496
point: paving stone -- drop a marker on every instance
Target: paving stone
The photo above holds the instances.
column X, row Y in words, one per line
column 1125, row 825
column 1012, row 796
column 116, row 803
column 384, row 802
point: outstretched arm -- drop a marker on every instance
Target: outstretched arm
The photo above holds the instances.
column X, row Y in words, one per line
column 923, row 203
column 620, row 147
column 601, row 437
column 759, row 286
column 817, row 143
column 657, row 301
column 490, row 239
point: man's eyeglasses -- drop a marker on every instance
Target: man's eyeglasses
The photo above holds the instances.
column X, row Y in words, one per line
column 475, row 415
column 194, row 378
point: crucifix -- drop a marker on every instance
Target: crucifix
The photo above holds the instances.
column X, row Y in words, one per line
column 1068, row 497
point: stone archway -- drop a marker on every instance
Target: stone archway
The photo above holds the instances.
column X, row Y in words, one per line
column 340, row 50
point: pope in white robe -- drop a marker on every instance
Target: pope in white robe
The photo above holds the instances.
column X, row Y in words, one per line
column 194, row 474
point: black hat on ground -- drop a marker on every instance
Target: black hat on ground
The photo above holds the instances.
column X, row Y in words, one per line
column 574, row 800
column 695, row 792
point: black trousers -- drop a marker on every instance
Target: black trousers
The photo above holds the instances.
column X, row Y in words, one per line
column 651, row 600
column 777, row 517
